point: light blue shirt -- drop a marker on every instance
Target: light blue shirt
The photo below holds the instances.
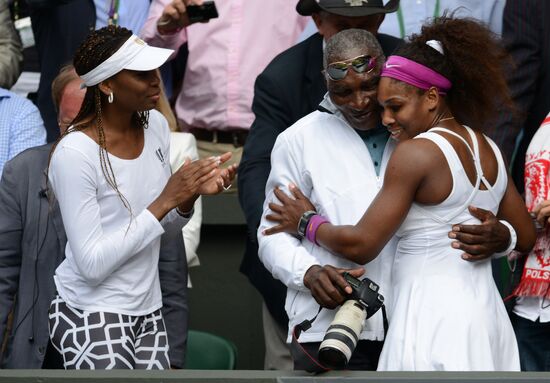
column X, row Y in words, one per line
column 131, row 13
column 375, row 141
column 416, row 12
column 21, row 126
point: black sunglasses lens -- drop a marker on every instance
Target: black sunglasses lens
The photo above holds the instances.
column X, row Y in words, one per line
column 337, row 72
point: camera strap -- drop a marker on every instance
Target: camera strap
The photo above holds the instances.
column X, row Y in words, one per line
column 306, row 359
column 299, row 353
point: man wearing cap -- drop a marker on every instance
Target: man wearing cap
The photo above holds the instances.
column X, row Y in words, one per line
column 290, row 87
column 337, row 157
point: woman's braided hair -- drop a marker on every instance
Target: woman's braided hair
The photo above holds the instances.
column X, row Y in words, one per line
column 96, row 48
column 473, row 61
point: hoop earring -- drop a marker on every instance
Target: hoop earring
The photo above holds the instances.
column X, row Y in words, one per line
column 111, row 98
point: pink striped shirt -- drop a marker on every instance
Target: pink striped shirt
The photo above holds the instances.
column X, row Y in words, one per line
column 225, row 57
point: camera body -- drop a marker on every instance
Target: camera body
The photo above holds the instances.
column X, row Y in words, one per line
column 343, row 333
column 206, row 11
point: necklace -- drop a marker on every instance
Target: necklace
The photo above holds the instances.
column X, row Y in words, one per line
column 446, row 119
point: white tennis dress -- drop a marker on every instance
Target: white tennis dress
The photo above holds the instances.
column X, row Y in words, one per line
column 446, row 313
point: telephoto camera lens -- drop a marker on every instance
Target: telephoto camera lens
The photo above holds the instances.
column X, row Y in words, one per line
column 342, row 335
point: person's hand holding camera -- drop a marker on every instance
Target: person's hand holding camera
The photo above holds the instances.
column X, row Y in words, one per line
column 328, row 286
column 175, row 17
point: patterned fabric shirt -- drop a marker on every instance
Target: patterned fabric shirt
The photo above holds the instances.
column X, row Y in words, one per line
column 21, row 126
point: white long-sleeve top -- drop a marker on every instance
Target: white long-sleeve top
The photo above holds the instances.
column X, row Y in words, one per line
column 330, row 163
column 111, row 258
column 183, row 146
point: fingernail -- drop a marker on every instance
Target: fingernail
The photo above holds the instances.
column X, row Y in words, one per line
column 291, row 186
column 456, row 228
column 452, row 235
column 455, row 245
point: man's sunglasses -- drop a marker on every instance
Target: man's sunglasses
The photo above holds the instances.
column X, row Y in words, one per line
column 361, row 64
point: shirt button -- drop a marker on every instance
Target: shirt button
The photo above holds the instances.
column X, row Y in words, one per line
column 375, row 163
column 41, row 350
column 374, row 146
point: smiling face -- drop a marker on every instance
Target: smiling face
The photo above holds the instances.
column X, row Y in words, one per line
column 355, row 96
column 134, row 90
column 407, row 111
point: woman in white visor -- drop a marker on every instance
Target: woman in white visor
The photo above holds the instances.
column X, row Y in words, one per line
column 110, row 174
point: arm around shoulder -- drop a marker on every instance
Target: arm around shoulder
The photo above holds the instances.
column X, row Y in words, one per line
column 406, row 170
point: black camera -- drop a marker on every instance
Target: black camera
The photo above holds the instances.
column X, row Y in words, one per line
column 343, row 333
column 203, row 12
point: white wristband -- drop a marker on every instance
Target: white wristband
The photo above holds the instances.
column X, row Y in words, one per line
column 513, row 241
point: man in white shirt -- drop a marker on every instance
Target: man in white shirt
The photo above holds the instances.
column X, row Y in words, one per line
column 337, row 157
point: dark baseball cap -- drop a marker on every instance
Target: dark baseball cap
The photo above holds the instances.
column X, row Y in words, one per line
column 352, row 8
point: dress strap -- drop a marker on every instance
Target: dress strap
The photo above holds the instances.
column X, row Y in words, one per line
column 474, row 140
column 454, row 164
column 476, row 157
column 479, row 169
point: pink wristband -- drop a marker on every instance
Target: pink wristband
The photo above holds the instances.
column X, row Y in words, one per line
column 313, row 225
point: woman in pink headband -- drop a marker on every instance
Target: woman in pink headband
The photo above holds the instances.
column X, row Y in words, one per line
column 445, row 312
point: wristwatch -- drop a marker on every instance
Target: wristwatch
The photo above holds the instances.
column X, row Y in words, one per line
column 303, row 222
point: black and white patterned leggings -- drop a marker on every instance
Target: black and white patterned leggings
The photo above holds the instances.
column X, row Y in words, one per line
column 102, row 340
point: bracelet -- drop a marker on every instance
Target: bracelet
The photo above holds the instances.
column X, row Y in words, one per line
column 185, row 214
column 313, row 226
column 303, row 222
column 513, row 240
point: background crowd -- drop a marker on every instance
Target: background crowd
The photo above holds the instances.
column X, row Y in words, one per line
column 234, row 84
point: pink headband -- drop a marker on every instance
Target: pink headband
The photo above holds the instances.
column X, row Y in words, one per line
column 416, row 74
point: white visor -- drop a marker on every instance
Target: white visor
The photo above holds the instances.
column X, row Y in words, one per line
column 134, row 54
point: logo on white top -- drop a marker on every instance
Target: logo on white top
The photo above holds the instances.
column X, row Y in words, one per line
column 160, row 156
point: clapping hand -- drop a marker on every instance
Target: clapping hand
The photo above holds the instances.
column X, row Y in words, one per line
column 221, row 179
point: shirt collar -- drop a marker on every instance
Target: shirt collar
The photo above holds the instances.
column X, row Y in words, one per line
column 4, row 93
column 329, row 107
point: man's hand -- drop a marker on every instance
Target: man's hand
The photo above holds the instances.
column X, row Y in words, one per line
column 328, row 286
column 174, row 17
column 480, row 241
column 541, row 213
